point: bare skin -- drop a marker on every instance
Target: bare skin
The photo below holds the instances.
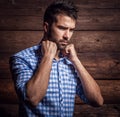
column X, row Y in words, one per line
column 58, row 40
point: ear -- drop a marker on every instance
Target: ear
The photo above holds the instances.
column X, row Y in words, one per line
column 46, row 26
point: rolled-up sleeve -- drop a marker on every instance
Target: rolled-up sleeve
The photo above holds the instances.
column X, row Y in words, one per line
column 21, row 72
column 80, row 92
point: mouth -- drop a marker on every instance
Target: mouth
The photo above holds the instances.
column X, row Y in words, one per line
column 64, row 42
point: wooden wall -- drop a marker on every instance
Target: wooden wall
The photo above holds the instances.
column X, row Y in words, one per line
column 97, row 40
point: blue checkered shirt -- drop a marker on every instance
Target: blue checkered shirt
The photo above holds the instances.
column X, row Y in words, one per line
column 63, row 85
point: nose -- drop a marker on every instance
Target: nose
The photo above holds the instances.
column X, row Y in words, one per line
column 66, row 35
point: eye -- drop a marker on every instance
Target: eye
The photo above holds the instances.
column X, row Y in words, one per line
column 62, row 28
column 72, row 30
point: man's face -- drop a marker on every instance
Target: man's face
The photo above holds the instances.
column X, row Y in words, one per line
column 61, row 31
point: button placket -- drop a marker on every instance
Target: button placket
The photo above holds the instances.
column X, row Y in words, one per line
column 60, row 88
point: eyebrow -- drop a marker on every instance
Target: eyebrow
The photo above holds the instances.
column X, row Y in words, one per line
column 64, row 27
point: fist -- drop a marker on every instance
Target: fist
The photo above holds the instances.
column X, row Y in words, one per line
column 70, row 52
column 49, row 48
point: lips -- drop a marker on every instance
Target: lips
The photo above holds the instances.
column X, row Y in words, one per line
column 64, row 42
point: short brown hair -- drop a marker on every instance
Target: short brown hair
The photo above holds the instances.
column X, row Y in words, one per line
column 60, row 7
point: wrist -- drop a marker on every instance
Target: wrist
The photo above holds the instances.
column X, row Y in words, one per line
column 75, row 59
column 47, row 57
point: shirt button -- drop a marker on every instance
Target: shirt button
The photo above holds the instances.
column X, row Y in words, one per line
column 61, row 100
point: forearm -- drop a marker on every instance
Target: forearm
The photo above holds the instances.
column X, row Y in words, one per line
column 90, row 87
column 37, row 86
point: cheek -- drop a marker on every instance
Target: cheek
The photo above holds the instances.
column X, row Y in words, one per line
column 57, row 34
column 71, row 34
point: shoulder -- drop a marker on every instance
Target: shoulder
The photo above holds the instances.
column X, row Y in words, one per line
column 28, row 52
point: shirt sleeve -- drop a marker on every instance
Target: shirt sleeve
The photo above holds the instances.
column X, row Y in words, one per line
column 80, row 92
column 21, row 73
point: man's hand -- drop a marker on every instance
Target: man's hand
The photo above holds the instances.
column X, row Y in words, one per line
column 90, row 87
column 71, row 52
column 49, row 48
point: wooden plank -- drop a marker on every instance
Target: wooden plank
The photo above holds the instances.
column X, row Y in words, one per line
column 102, row 66
column 21, row 23
column 18, row 16
column 40, row 12
column 97, row 41
column 15, row 41
column 39, row 3
column 85, row 41
column 109, row 110
column 86, row 22
column 4, row 69
column 110, row 90
column 24, row 4
column 7, row 92
column 22, row 12
column 98, row 23
column 11, row 110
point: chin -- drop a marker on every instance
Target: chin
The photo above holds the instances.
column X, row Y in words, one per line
column 61, row 47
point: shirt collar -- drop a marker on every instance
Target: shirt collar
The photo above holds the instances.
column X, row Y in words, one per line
column 67, row 61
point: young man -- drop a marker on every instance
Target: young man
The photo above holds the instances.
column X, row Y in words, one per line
column 49, row 75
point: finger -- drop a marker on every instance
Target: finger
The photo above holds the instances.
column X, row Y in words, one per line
column 68, row 48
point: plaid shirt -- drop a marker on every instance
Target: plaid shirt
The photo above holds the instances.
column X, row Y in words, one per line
column 63, row 85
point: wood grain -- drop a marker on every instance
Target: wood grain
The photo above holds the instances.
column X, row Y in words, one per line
column 94, row 15
column 95, row 22
column 7, row 92
column 109, row 110
column 110, row 90
column 40, row 3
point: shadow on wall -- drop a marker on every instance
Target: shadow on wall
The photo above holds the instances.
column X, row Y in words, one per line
column 4, row 113
column 8, row 112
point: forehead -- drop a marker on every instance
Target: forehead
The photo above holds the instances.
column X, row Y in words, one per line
column 65, row 20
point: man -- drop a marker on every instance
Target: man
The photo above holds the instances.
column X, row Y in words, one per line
column 49, row 75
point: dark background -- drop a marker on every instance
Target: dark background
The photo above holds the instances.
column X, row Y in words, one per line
column 97, row 41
